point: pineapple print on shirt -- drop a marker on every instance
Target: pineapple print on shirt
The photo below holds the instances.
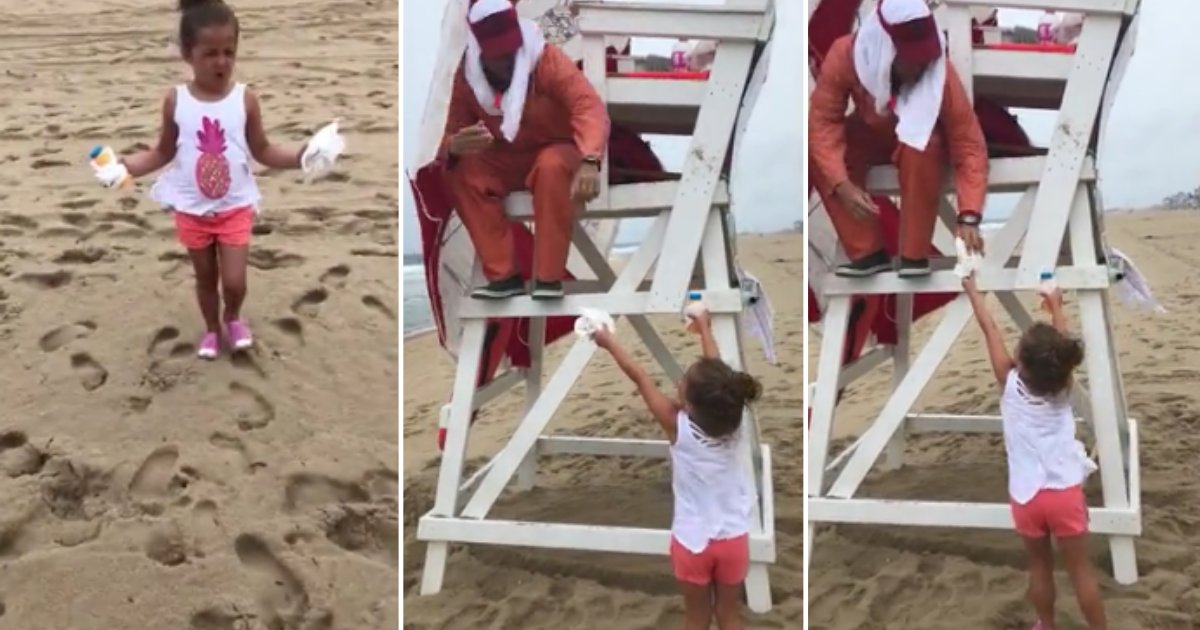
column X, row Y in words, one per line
column 212, row 167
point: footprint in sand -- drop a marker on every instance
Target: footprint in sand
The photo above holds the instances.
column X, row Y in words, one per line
column 373, row 532
column 335, row 276
column 377, row 305
column 164, row 337
column 268, row 259
column 85, row 256
column 64, row 335
column 232, row 443
column 155, row 478
column 307, row 304
column 254, row 411
column 91, row 374
column 291, row 328
column 79, row 204
column 46, row 280
column 306, row 490
column 17, row 456
column 282, row 595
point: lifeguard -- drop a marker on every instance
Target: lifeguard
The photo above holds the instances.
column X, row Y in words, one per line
column 522, row 116
column 911, row 110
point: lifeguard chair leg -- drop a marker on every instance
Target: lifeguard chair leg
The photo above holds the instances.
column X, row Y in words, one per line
column 454, row 455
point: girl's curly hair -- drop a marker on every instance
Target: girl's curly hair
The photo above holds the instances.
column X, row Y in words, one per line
column 717, row 394
column 1047, row 359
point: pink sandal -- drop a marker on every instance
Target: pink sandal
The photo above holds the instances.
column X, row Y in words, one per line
column 238, row 334
column 210, row 346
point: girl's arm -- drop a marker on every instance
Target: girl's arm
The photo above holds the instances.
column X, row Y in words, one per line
column 1002, row 362
column 161, row 154
column 661, row 407
column 1054, row 304
column 708, row 345
column 265, row 153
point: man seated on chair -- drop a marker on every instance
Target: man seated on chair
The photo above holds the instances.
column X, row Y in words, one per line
column 522, row 116
column 911, row 110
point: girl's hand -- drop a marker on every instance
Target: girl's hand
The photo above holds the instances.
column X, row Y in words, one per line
column 700, row 321
column 604, row 338
column 1052, row 299
column 969, row 286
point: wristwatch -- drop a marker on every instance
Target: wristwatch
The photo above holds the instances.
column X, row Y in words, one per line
column 969, row 218
column 591, row 159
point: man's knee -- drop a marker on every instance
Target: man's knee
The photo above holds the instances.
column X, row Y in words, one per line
column 557, row 160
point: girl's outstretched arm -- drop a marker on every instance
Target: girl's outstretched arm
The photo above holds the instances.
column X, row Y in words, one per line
column 663, row 409
column 1002, row 362
column 708, row 345
column 1054, row 303
column 161, row 154
column 265, row 153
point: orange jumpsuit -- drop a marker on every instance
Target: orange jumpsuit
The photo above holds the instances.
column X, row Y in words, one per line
column 844, row 148
column 563, row 121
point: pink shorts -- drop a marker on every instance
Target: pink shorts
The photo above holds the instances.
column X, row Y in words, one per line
column 1061, row 513
column 725, row 562
column 231, row 227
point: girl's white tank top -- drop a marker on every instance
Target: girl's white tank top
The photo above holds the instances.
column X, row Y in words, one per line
column 714, row 498
column 211, row 172
column 1039, row 438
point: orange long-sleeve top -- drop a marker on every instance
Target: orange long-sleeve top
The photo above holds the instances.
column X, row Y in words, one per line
column 838, row 83
column 561, row 106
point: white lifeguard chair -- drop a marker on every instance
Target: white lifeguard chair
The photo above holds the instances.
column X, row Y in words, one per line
column 692, row 223
column 1061, row 201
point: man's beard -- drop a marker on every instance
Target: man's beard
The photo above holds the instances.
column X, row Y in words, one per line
column 500, row 84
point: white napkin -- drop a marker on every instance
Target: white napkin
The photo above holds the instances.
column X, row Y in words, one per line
column 112, row 175
column 590, row 321
column 968, row 262
column 322, row 151
column 760, row 324
column 1133, row 290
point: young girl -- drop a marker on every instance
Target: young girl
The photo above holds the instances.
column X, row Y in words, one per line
column 714, row 497
column 211, row 127
column 1046, row 464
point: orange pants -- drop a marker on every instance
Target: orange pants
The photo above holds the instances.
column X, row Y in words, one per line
column 920, row 190
column 480, row 183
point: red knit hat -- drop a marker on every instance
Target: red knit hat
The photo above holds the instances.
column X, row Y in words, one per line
column 499, row 33
column 917, row 41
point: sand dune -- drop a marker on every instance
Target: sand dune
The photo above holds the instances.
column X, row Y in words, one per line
column 544, row 590
column 142, row 488
column 867, row 578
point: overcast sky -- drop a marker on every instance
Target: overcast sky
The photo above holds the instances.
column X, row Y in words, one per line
column 1150, row 152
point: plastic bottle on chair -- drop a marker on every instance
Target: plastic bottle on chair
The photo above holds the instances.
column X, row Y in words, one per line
column 1045, row 27
column 679, row 56
column 693, row 307
column 1047, row 283
column 102, row 156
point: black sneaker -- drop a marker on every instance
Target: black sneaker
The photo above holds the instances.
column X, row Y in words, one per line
column 866, row 266
column 910, row 268
column 547, row 290
column 500, row 289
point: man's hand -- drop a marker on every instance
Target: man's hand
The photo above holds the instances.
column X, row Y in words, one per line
column 586, row 185
column 856, row 200
column 473, row 139
column 971, row 238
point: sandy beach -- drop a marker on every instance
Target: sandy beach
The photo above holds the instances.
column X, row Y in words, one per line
column 535, row 589
column 141, row 488
column 866, row 578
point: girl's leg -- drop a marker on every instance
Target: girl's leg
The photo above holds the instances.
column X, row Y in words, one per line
column 204, row 263
column 1041, row 578
column 697, row 606
column 729, row 607
column 233, row 278
column 1087, row 591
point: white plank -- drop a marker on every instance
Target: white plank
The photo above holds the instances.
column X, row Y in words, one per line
column 1004, row 175
column 958, row 514
column 987, row 279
